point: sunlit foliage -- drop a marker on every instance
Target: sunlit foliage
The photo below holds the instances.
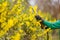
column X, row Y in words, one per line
column 17, row 21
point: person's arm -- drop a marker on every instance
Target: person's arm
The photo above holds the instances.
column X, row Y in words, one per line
column 55, row 25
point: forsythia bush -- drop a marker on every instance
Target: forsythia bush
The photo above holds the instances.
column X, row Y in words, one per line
column 17, row 22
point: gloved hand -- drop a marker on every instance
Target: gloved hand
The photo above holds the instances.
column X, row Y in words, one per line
column 39, row 18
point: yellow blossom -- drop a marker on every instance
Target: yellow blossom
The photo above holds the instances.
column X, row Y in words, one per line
column 35, row 9
column 16, row 36
column 21, row 31
column 3, row 6
column 33, row 37
column 27, row 23
column 5, row 3
column 31, row 18
column 33, row 29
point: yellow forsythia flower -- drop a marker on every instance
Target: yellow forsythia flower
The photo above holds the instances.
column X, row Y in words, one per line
column 27, row 23
column 33, row 37
column 33, row 29
column 3, row 6
column 21, row 31
column 16, row 37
